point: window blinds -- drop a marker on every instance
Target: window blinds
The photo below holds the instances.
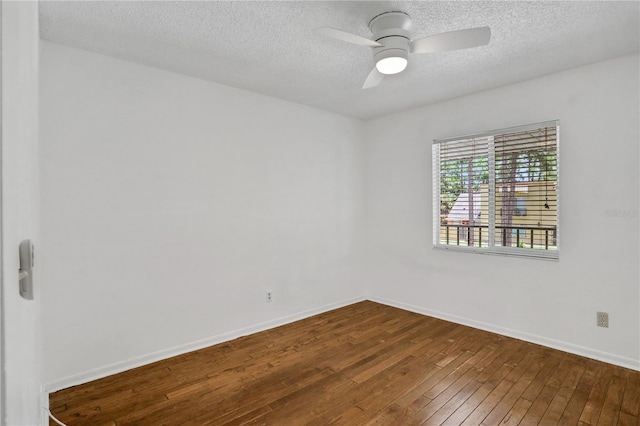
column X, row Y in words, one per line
column 497, row 192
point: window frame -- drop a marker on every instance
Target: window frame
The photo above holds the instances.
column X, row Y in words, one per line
column 520, row 206
column 493, row 249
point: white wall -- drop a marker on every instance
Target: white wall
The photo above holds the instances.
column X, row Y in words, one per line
column 553, row 303
column 171, row 205
column 21, row 318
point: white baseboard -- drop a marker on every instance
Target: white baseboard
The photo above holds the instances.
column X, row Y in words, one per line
column 119, row 367
column 607, row 357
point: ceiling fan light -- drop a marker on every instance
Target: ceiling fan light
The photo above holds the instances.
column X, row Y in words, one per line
column 391, row 61
column 391, row 65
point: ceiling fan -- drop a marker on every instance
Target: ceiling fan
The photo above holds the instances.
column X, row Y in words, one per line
column 391, row 43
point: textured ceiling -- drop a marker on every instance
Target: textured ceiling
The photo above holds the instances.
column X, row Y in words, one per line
column 270, row 48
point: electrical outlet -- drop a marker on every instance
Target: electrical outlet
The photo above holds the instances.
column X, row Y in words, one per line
column 269, row 296
column 603, row 319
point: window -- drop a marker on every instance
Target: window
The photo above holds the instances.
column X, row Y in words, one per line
column 520, row 208
column 497, row 192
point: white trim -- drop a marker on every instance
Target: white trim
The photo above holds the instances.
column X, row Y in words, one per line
column 622, row 361
column 550, row 123
column 492, row 190
column 523, row 253
column 2, row 306
column 558, row 202
column 121, row 366
column 44, row 406
column 435, row 179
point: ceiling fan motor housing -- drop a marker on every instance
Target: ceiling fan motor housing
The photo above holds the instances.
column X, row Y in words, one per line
column 391, row 29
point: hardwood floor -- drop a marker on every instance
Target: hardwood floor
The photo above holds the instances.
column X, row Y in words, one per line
column 364, row 364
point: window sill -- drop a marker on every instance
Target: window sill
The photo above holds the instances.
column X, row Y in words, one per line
column 521, row 253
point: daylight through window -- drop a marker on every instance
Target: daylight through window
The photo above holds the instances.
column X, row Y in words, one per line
column 497, row 192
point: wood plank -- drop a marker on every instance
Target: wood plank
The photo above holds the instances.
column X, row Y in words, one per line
column 580, row 395
column 392, row 381
column 541, row 402
column 484, row 408
column 611, row 408
column 539, row 406
column 592, row 409
column 521, row 379
column 561, row 398
column 445, row 410
column 631, row 401
column 443, row 392
column 627, row 419
column 516, row 413
column 489, row 377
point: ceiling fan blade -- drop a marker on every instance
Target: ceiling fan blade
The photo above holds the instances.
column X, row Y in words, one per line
column 373, row 79
column 453, row 40
column 345, row 36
